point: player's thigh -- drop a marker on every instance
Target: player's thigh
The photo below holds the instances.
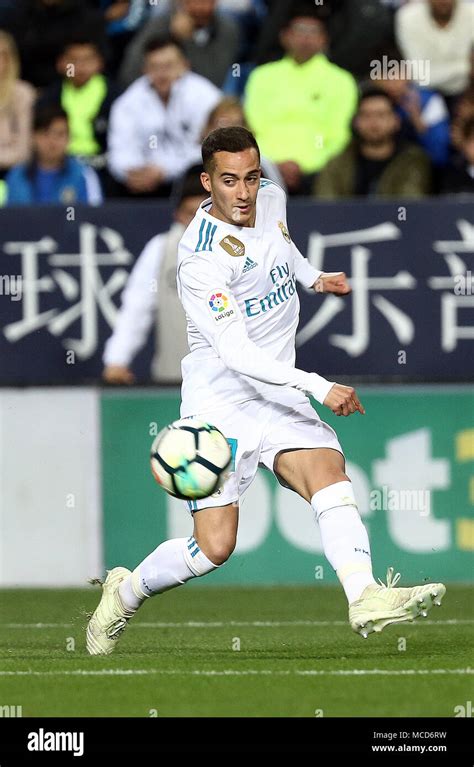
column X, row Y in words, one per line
column 308, row 470
column 215, row 530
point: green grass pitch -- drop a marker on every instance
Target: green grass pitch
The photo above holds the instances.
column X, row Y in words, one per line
column 231, row 651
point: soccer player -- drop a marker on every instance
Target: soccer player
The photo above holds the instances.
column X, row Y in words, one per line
column 237, row 273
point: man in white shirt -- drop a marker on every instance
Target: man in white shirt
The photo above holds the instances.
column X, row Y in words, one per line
column 150, row 298
column 439, row 33
column 237, row 271
column 156, row 124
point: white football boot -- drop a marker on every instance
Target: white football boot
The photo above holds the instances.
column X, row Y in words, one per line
column 110, row 618
column 379, row 606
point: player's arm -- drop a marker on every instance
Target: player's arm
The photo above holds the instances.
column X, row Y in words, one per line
column 135, row 317
column 321, row 282
column 305, row 273
column 201, row 279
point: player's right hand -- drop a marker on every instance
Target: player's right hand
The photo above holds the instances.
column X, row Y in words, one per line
column 343, row 400
column 118, row 374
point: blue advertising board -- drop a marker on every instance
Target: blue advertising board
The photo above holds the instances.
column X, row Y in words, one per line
column 410, row 314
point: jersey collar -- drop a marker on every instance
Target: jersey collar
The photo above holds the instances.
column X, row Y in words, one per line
column 250, row 231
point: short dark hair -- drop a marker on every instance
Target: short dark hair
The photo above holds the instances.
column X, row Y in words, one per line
column 307, row 10
column 369, row 91
column 46, row 114
column 163, row 41
column 234, row 139
column 81, row 39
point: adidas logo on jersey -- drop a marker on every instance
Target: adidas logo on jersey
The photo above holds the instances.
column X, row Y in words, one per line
column 249, row 264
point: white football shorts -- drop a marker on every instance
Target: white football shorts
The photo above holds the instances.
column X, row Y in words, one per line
column 257, row 430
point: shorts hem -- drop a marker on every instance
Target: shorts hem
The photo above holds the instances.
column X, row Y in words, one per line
column 218, row 502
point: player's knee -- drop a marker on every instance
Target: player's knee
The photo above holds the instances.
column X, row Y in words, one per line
column 337, row 476
column 329, row 478
column 218, row 551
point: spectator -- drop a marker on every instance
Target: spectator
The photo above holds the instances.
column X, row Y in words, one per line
column 210, row 40
column 459, row 177
column 234, row 7
column 52, row 176
column 249, row 14
column 463, row 112
column 355, row 28
column 156, row 124
column 423, row 111
column 300, row 108
column 440, row 32
column 226, row 114
column 268, row 47
column 123, row 18
column 16, row 107
column 86, row 95
column 150, row 297
column 376, row 163
column 45, row 24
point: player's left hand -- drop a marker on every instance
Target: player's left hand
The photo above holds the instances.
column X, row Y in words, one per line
column 332, row 282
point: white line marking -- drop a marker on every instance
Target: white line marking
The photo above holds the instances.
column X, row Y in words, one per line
column 223, row 624
column 248, row 672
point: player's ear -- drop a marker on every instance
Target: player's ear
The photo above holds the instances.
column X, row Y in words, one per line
column 206, row 181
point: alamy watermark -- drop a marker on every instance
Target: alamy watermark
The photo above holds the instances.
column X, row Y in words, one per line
column 464, row 284
column 386, row 499
column 43, row 740
column 9, row 712
column 417, row 70
column 11, row 285
column 465, row 710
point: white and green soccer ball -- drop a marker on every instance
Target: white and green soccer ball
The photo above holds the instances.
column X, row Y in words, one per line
column 190, row 459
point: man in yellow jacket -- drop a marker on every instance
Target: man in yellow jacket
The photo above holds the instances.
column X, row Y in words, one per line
column 300, row 107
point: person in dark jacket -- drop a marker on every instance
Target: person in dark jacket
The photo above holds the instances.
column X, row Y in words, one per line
column 459, row 176
column 52, row 177
column 211, row 40
column 422, row 110
column 376, row 163
column 355, row 28
column 43, row 25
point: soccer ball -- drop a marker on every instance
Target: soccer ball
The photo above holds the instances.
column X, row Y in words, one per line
column 190, row 459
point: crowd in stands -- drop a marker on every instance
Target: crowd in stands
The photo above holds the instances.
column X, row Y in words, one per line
column 104, row 99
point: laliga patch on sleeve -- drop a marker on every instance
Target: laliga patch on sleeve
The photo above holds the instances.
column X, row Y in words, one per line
column 219, row 305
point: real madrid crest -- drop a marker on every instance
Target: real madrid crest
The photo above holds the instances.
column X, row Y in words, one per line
column 284, row 231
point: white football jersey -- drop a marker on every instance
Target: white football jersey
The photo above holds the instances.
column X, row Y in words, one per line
column 238, row 288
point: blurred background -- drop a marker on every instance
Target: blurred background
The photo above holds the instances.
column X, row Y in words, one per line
column 364, row 113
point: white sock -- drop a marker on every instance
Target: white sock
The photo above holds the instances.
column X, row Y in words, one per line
column 171, row 564
column 344, row 537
